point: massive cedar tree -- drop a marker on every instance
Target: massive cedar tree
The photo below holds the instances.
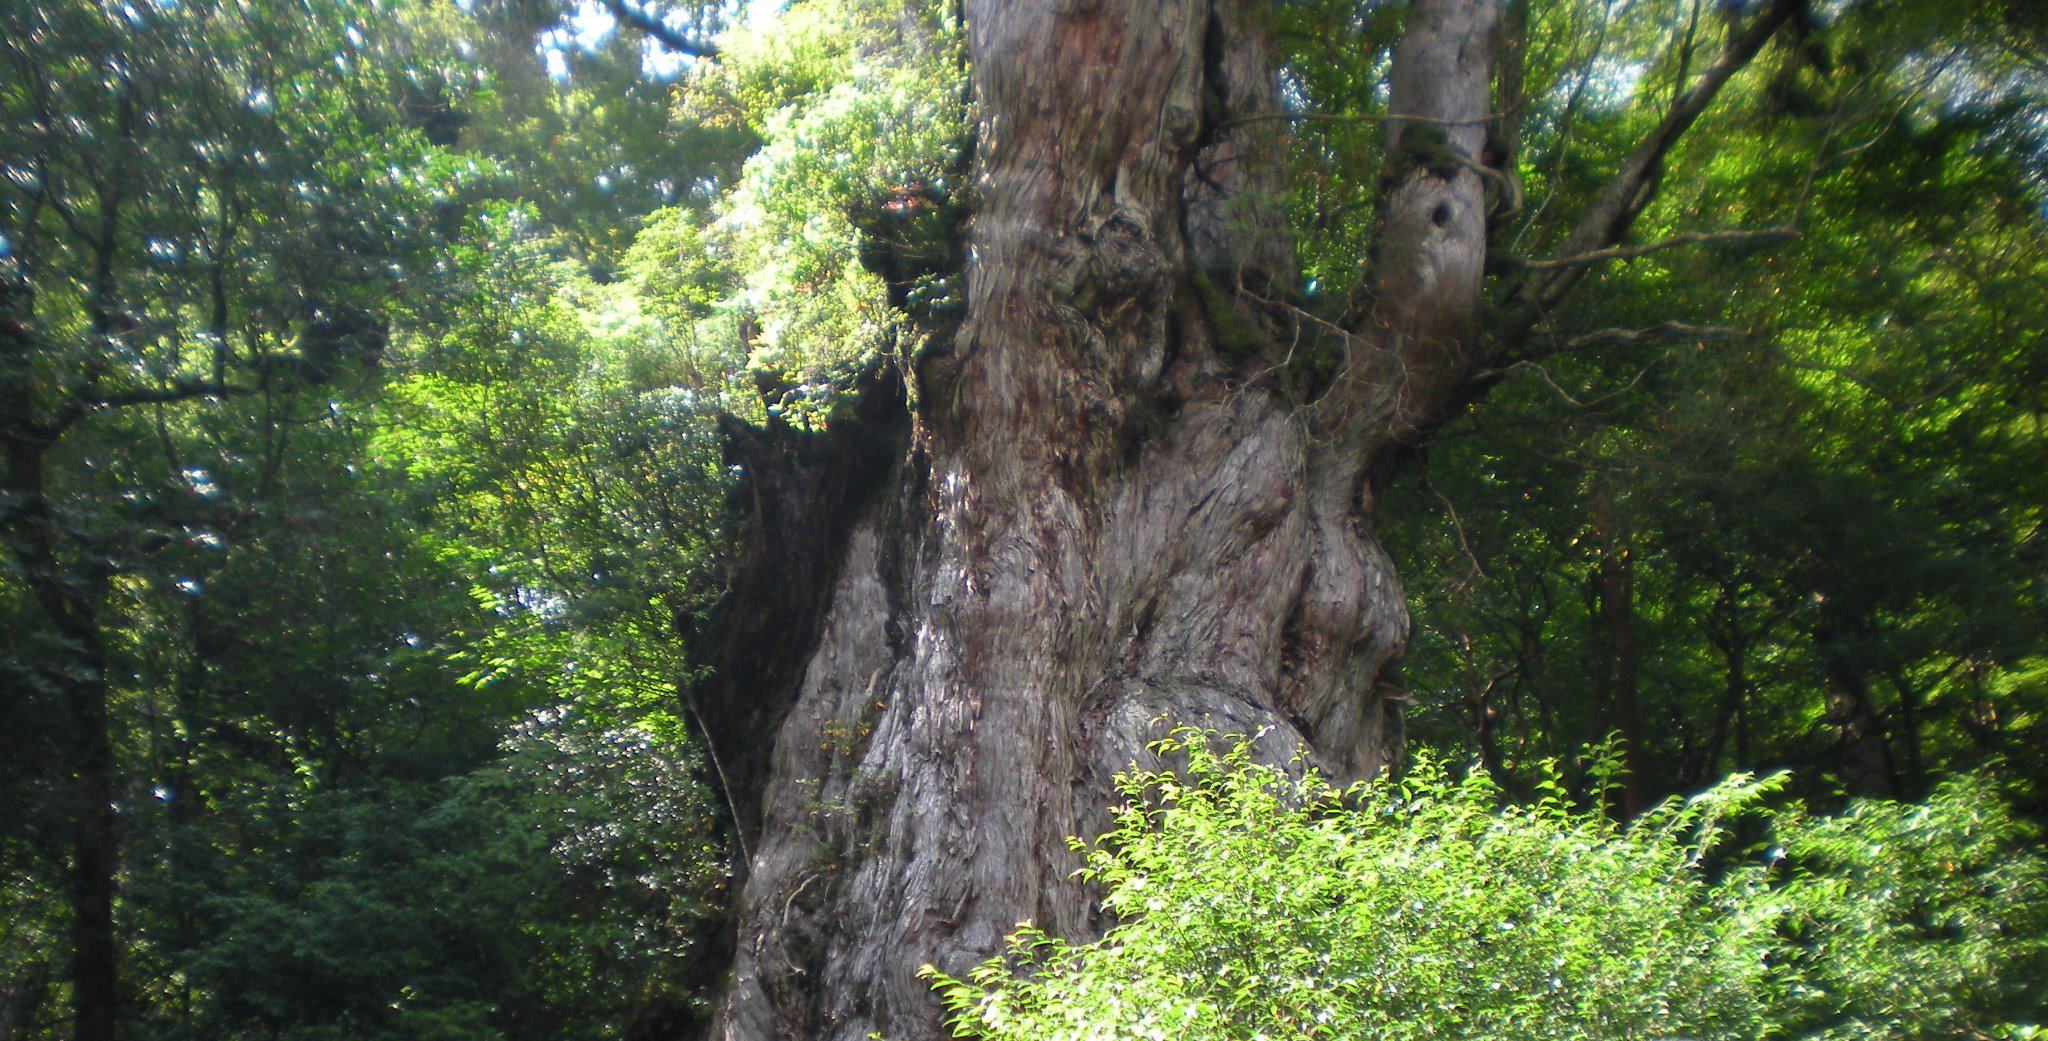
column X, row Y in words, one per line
column 1104, row 504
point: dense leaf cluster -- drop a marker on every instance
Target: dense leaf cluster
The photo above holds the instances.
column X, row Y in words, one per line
column 1253, row 903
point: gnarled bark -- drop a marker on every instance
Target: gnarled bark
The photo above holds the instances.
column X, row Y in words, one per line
column 1112, row 515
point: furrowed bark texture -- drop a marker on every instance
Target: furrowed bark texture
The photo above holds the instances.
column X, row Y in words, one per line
column 1110, row 517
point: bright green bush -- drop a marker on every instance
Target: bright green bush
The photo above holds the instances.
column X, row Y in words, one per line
column 862, row 118
column 1255, row 904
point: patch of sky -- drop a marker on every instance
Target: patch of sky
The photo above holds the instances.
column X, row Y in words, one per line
column 590, row 25
column 201, row 481
column 541, row 602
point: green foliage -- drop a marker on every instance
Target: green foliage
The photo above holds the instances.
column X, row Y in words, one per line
column 862, row 119
column 246, row 150
column 1830, row 509
column 1919, row 920
column 1250, row 902
column 591, row 121
column 562, row 444
column 352, row 466
column 554, row 893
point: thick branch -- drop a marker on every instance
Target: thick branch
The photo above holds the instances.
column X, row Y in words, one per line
column 1630, row 337
column 1609, row 217
column 88, row 400
column 1420, row 334
column 654, row 27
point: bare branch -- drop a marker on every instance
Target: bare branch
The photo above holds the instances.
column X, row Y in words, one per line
column 1458, row 527
column 1543, row 375
column 1527, row 361
column 86, row 400
column 1631, row 337
column 1362, row 117
column 183, row 390
column 647, row 23
column 1690, row 238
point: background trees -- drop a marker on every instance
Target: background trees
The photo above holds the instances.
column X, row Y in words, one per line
column 296, row 681
column 1817, row 502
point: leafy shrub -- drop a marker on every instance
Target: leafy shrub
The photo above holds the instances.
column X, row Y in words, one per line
column 1252, row 903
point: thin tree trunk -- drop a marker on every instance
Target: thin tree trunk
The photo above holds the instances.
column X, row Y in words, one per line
column 30, row 533
column 95, row 975
column 1614, row 623
column 1734, row 697
column 1862, row 752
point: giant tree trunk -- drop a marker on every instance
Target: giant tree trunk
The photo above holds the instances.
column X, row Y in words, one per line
column 1115, row 506
column 1110, row 514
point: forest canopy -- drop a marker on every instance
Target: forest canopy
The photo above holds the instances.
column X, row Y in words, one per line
column 533, row 520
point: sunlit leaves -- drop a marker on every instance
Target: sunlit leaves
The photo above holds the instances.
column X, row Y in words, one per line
column 1252, row 904
column 855, row 112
